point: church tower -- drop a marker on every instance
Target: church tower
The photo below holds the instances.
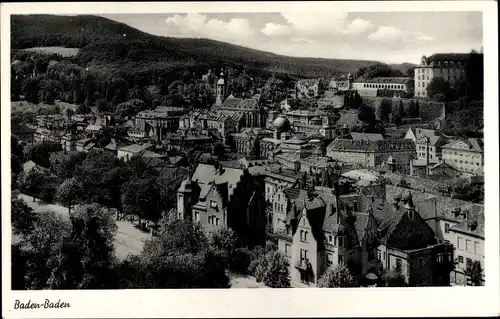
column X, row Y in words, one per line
column 349, row 81
column 221, row 89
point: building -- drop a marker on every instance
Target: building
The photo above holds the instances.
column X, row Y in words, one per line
column 155, row 124
column 453, row 221
column 317, row 234
column 341, row 85
column 398, row 237
column 468, row 238
column 126, row 152
column 247, row 141
column 370, row 87
column 304, row 117
column 415, row 134
column 219, row 196
column 466, row 155
column 372, row 153
column 324, row 126
column 247, row 112
column 307, row 87
column 452, row 67
column 429, row 155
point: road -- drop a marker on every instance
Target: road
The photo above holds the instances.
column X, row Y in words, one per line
column 128, row 239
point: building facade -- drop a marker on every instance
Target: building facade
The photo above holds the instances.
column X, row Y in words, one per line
column 371, row 86
column 451, row 67
column 467, row 155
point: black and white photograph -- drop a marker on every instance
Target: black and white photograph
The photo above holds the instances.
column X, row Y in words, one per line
column 215, row 149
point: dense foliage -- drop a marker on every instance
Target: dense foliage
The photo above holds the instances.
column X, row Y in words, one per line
column 179, row 257
column 336, row 277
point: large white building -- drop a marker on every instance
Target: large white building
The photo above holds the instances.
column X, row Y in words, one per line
column 452, row 67
column 371, row 86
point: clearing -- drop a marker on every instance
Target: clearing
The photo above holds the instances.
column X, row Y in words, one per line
column 65, row 52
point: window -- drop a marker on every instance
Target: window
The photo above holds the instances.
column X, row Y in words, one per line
column 476, row 247
column 420, row 263
column 288, row 250
column 460, row 243
column 210, row 219
column 460, row 259
column 384, row 255
column 305, row 236
column 330, row 238
column 379, row 254
column 197, row 216
column 301, row 235
column 411, row 214
column 398, row 262
column 213, row 204
column 341, row 259
column 446, row 228
column 468, row 265
column 341, row 241
column 468, row 246
column 329, row 259
column 303, row 254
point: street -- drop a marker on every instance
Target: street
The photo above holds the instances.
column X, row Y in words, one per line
column 128, row 239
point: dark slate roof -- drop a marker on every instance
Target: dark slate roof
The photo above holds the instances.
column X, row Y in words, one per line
column 243, row 104
column 366, row 136
column 473, row 143
column 464, row 226
column 371, row 146
column 390, row 80
column 441, row 57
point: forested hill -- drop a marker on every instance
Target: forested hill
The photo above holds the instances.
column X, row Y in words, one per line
column 106, row 42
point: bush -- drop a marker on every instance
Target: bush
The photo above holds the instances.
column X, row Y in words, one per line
column 240, row 261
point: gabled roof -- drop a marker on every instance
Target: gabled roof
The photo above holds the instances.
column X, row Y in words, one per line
column 205, row 174
column 135, row 148
column 473, row 144
column 28, row 166
column 366, row 136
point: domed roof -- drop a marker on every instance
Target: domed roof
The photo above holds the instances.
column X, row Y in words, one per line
column 185, row 186
column 221, row 81
column 282, row 123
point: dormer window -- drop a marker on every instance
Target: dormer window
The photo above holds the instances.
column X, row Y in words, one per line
column 411, row 214
column 213, row 204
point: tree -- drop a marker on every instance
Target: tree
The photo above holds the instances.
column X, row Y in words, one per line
column 224, row 241
column 438, row 85
column 130, row 108
column 475, row 272
column 86, row 256
column 39, row 152
column 272, row 270
column 69, row 191
column 366, row 114
column 22, row 215
column 141, row 197
column 32, row 182
column 40, row 246
column 69, row 113
column 396, row 278
column 336, row 277
column 178, row 258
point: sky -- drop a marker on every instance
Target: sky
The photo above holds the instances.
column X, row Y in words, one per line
column 391, row 37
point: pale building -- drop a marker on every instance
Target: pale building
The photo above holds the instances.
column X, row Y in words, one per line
column 371, row 86
column 466, row 155
column 452, row 67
